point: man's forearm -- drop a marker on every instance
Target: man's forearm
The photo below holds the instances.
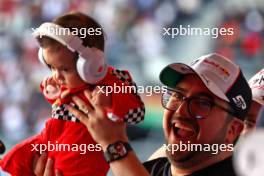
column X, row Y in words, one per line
column 129, row 166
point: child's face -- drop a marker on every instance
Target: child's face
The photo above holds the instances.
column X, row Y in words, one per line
column 63, row 66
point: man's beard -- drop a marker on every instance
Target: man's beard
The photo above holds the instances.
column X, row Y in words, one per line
column 192, row 158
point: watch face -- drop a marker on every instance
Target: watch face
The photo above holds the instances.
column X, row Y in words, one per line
column 121, row 149
column 117, row 150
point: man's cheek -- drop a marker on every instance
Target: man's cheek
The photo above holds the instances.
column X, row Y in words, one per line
column 167, row 115
column 166, row 122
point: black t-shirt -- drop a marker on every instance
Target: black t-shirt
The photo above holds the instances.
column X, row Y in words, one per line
column 161, row 167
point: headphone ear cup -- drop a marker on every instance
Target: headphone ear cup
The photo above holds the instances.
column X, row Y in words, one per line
column 41, row 57
column 91, row 65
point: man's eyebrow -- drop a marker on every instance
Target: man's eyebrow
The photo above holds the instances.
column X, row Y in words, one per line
column 180, row 89
column 205, row 95
column 199, row 94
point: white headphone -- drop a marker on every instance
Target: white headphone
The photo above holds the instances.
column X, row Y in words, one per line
column 91, row 64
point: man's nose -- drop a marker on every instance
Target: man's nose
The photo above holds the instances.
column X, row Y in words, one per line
column 183, row 109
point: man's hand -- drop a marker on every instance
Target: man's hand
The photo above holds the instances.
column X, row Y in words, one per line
column 103, row 130
column 43, row 166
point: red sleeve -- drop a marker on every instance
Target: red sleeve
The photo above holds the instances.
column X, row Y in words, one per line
column 126, row 103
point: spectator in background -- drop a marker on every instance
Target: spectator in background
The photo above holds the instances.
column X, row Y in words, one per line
column 256, row 84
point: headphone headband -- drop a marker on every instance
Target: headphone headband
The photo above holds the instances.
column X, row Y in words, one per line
column 60, row 34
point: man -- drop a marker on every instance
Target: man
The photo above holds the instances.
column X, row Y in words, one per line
column 213, row 113
column 256, row 84
column 205, row 103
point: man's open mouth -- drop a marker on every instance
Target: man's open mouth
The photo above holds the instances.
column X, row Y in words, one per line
column 183, row 131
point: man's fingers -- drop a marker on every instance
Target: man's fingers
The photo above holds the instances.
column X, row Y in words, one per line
column 44, row 166
column 79, row 114
column 39, row 166
column 82, row 105
column 99, row 99
column 88, row 94
column 35, row 161
column 49, row 167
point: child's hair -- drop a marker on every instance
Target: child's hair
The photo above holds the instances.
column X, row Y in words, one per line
column 73, row 21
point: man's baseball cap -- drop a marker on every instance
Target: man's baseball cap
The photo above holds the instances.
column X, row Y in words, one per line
column 256, row 84
column 221, row 76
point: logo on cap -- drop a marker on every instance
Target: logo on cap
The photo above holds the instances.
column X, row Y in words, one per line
column 223, row 71
column 240, row 102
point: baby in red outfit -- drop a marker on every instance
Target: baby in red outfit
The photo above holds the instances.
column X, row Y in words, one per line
column 75, row 66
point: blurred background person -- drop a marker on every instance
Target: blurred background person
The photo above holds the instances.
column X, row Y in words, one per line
column 256, row 84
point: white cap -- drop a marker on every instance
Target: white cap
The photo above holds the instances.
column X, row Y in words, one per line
column 221, row 76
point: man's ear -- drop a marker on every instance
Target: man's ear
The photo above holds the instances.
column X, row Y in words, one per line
column 235, row 128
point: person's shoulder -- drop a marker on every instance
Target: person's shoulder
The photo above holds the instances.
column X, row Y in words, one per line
column 224, row 167
column 158, row 166
column 161, row 160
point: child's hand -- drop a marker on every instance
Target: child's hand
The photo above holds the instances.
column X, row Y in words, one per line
column 51, row 88
column 49, row 81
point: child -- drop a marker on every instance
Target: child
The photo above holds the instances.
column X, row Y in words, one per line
column 75, row 66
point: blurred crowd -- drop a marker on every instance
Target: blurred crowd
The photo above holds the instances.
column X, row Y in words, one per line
column 134, row 41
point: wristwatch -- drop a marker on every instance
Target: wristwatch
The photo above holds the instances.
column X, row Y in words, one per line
column 117, row 151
